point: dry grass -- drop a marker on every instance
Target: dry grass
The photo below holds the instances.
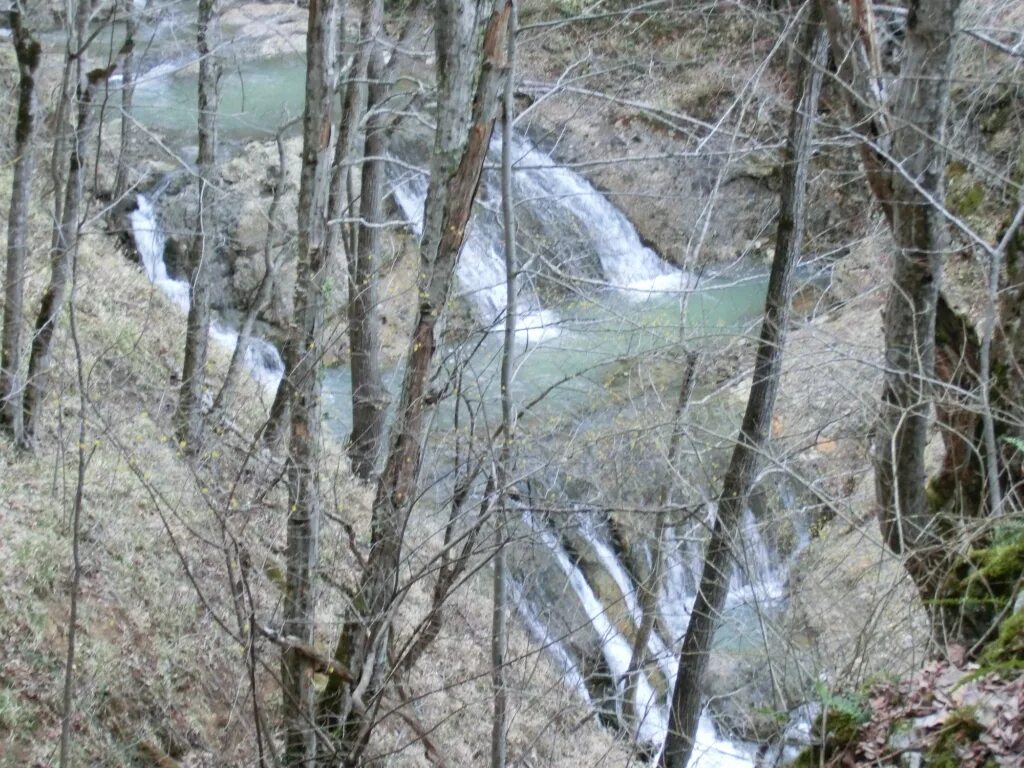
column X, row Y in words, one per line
column 160, row 670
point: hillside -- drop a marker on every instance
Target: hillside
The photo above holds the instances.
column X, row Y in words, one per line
column 647, row 174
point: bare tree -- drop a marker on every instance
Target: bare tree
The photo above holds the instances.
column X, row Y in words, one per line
column 932, row 353
column 467, row 98
column 66, row 228
column 302, row 356
column 369, row 397
column 503, row 469
column 125, row 148
column 189, row 416
column 28, row 53
column 687, row 697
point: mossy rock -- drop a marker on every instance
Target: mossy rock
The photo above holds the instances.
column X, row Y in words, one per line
column 961, row 728
column 1008, row 647
column 842, row 728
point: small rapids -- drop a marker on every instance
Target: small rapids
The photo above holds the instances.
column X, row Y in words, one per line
column 262, row 359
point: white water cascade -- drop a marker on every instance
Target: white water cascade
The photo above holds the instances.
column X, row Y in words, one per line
column 710, row 751
column 628, row 265
column 557, row 200
column 261, row 358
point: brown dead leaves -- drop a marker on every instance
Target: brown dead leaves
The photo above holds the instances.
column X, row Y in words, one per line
column 948, row 714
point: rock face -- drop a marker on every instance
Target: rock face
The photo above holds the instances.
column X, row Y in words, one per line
column 242, row 201
column 266, row 29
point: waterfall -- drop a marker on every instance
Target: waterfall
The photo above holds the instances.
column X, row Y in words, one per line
column 628, row 265
column 150, row 242
column 540, row 634
column 615, row 648
column 553, row 200
column 610, row 562
column 710, row 751
column 481, row 269
column 262, row 358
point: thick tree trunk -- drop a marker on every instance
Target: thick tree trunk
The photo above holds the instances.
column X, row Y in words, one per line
column 302, row 356
column 369, row 397
column 189, row 416
column 909, row 523
column 464, row 124
column 28, row 52
column 687, row 697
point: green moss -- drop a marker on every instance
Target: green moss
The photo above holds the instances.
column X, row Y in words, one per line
column 961, row 728
column 966, row 197
column 1008, row 647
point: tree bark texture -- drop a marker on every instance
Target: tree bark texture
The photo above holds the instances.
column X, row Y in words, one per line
column 908, row 522
column 503, row 469
column 28, row 53
column 687, row 697
column 189, row 416
column 302, row 356
column 369, row 397
column 127, row 97
column 467, row 98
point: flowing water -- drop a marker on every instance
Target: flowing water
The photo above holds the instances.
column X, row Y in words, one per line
column 262, row 359
column 592, row 298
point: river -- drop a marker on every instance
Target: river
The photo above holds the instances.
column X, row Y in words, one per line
column 596, row 306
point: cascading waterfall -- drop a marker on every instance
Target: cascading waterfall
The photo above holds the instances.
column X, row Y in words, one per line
column 261, row 358
column 615, row 648
column 628, row 265
column 557, row 199
column 481, row 269
column 710, row 751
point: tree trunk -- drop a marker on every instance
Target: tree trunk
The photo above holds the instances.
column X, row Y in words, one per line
column 369, row 397
column 908, row 521
column 124, row 155
column 499, row 634
column 65, row 236
column 189, row 416
column 464, row 124
column 302, row 355
column 28, row 52
column 714, row 582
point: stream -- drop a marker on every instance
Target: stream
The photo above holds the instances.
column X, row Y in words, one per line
column 593, row 300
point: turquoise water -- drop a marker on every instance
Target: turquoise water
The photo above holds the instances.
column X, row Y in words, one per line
column 596, row 335
column 255, row 97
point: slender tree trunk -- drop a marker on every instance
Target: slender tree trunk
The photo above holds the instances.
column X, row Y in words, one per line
column 65, row 238
column 499, row 634
column 189, row 416
column 687, row 697
column 125, row 150
column 302, row 356
column 464, row 123
column 369, row 397
column 28, row 52
column 648, row 592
